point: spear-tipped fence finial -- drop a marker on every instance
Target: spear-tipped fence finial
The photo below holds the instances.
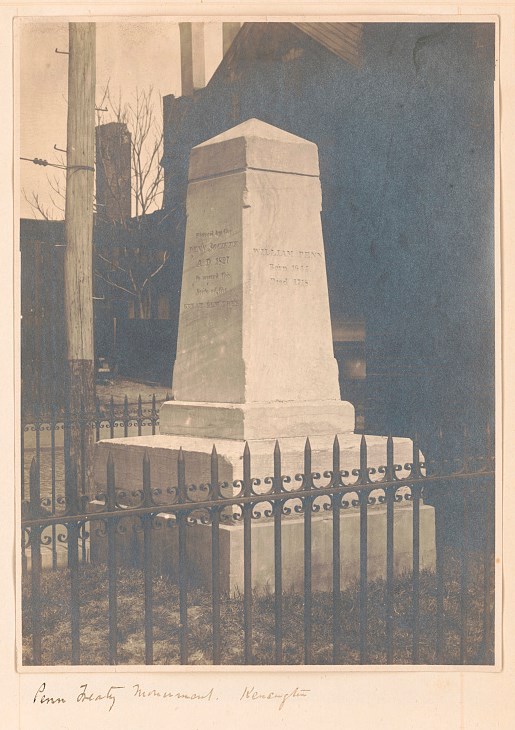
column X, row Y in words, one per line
column 308, row 480
column 277, row 482
column 389, row 475
column 247, row 486
column 336, row 457
column 214, row 471
column 363, row 459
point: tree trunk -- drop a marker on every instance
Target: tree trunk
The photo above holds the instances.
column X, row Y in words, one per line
column 78, row 276
column 144, row 304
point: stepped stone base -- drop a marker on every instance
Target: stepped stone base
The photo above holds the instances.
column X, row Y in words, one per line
column 246, row 421
column 163, row 452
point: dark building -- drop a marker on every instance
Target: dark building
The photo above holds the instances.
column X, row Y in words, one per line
column 131, row 346
column 403, row 117
column 113, row 192
column 42, row 333
column 136, row 283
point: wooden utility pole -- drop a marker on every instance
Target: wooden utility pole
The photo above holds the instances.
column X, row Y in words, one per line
column 78, row 263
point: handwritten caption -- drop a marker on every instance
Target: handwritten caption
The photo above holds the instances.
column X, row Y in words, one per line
column 109, row 696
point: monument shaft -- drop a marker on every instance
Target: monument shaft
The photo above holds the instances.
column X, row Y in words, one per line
column 254, row 326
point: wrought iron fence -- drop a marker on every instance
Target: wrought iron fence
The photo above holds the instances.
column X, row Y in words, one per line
column 43, row 438
column 458, row 585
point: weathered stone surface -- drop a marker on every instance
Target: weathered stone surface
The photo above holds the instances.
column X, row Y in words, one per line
column 257, row 420
column 163, row 452
column 254, row 324
column 198, row 547
column 255, row 363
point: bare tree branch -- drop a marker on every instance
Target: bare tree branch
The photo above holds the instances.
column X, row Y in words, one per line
column 154, row 273
column 113, row 283
column 104, row 99
column 37, row 206
column 124, row 268
column 111, row 263
column 55, row 204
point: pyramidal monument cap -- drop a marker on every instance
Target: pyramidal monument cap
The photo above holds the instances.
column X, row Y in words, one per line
column 254, row 144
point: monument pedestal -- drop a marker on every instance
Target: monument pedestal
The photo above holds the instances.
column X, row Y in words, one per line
column 256, row 421
column 292, row 540
column 163, row 451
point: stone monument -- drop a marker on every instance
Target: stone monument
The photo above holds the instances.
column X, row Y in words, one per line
column 255, row 354
column 255, row 359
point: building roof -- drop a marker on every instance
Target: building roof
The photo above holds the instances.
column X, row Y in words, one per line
column 342, row 39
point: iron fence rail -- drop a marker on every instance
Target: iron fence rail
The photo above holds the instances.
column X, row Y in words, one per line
column 273, row 498
column 106, row 417
column 44, row 437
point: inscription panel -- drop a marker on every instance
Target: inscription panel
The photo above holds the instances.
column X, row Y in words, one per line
column 292, row 271
column 290, row 305
column 211, row 296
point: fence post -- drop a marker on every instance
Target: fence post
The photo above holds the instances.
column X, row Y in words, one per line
column 125, row 417
column 183, row 576
column 335, row 503
column 73, row 559
column 71, row 496
column 390, row 501
column 215, row 557
column 98, row 418
column 53, row 425
column 83, row 455
column 35, row 555
column 37, row 428
column 277, row 506
column 416, row 493
column 72, row 499
column 112, row 418
column 363, row 480
column 308, row 501
column 153, row 415
column 247, row 559
column 112, row 562
column 440, row 578
column 67, row 438
column 148, row 562
column 140, row 415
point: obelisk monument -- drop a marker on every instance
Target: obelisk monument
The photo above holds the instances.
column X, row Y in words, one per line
column 255, row 359
column 255, row 354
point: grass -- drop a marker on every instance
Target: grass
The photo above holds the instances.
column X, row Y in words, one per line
column 94, row 616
